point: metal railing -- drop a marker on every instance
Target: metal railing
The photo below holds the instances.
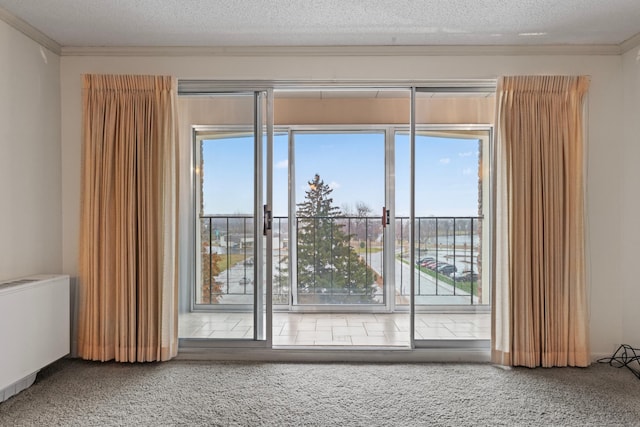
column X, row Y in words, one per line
column 226, row 248
column 339, row 260
column 447, row 255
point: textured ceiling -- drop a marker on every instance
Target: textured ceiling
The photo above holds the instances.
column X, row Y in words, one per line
column 329, row 22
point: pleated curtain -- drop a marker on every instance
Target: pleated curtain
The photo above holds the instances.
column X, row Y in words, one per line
column 128, row 263
column 539, row 294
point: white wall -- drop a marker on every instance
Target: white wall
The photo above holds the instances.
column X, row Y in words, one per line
column 630, row 200
column 605, row 174
column 30, row 160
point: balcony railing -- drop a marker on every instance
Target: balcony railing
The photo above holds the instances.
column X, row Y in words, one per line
column 447, row 255
column 339, row 260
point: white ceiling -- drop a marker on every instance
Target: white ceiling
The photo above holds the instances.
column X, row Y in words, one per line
column 215, row 23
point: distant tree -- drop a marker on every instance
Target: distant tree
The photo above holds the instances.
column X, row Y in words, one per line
column 281, row 281
column 329, row 269
column 363, row 224
column 362, row 209
column 211, row 290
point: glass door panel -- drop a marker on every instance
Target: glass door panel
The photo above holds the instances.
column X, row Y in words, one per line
column 448, row 237
column 447, row 216
column 450, row 234
column 339, row 192
column 445, row 243
column 227, row 220
column 228, row 296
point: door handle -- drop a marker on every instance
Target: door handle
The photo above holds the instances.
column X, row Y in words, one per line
column 386, row 218
column 267, row 220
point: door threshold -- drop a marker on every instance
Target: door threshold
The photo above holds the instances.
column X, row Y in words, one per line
column 336, row 355
column 342, row 347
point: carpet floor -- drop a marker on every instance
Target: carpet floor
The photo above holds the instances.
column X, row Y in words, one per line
column 73, row 392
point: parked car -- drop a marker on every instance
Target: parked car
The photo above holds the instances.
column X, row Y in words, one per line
column 447, row 269
column 467, row 276
column 245, row 281
column 423, row 260
column 473, row 277
column 431, row 264
column 438, row 265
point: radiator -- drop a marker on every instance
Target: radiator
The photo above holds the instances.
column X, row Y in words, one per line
column 34, row 328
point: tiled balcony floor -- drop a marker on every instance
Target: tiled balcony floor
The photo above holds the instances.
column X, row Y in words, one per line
column 338, row 329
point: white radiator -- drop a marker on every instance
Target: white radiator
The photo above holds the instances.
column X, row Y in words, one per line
column 34, row 328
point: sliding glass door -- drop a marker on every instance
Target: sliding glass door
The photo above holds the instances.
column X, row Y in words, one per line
column 233, row 221
column 450, row 165
column 359, row 218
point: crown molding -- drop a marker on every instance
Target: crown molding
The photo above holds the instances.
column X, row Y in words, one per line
column 435, row 50
column 30, row 31
column 630, row 43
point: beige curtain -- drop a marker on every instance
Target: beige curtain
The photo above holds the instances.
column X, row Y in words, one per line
column 128, row 259
column 539, row 299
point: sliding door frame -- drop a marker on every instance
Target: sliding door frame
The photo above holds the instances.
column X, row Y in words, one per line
column 262, row 129
column 294, row 306
column 486, row 248
column 210, row 87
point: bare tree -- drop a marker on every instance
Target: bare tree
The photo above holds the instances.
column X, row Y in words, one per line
column 362, row 224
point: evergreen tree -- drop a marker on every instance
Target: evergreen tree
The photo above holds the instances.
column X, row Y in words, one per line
column 329, row 269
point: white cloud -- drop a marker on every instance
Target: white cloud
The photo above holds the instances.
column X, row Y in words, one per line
column 445, row 161
column 282, row 164
column 466, row 154
column 334, row 185
column 467, row 171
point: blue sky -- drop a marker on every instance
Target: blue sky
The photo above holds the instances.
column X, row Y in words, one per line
column 353, row 165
